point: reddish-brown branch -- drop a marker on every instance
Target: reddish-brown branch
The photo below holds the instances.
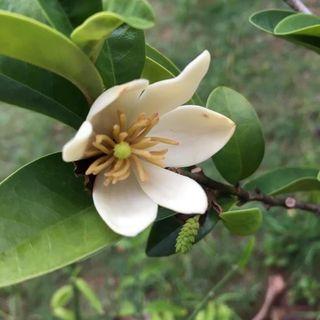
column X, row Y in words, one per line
column 245, row 196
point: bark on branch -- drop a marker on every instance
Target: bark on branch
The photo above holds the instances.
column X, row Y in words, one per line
column 245, row 196
column 298, row 5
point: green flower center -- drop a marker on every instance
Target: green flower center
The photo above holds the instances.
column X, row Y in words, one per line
column 122, row 150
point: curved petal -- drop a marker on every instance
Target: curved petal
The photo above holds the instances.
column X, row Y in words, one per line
column 174, row 191
column 200, row 133
column 103, row 112
column 124, row 207
column 75, row 149
column 163, row 96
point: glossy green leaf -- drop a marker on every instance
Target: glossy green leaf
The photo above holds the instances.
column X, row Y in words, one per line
column 267, row 20
column 92, row 33
column 160, row 58
column 29, row 8
column 36, row 89
column 242, row 222
column 285, row 180
column 33, row 42
column 47, row 221
column 299, row 24
column 245, row 150
column 80, row 10
column 163, row 234
column 153, row 71
column 136, row 13
column 297, row 28
column 122, row 57
column 90, row 296
column 56, row 15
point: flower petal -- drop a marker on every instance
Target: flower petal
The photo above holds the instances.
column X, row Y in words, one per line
column 103, row 112
column 124, row 207
column 200, row 133
column 174, row 191
column 75, row 149
column 163, row 96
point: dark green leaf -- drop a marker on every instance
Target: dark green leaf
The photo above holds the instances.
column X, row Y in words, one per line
column 80, row 10
column 285, row 180
column 122, row 57
column 163, row 234
column 30, row 87
column 137, row 13
column 157, row 56
column 30, row 8
column 47, row 221
column 287, row 25
column 267, row 20
column 242, row 222
column 56, row 15
column 26, row 39
column 244, row 152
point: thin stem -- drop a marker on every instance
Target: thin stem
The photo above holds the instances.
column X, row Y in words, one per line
column 76, row 301
column 234, row 269
column 298, row 6
column 245, row 196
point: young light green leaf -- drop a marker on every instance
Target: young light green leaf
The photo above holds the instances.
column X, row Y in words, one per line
column 267, row 20
column 163, row 235
column 245, row 150
column 36, row 89
column 122, row 56
column 138, row 13
column 33, row 42
column 299, row 24
column 92, row 33
column 285, row 180
column 242, row 222
column 61, row 297
column 88, row 293
column 56, row 16
column 46, row 215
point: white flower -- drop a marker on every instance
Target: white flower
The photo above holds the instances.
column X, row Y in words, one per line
column 132, row 132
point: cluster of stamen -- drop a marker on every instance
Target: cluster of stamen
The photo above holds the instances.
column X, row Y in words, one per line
column 125, row 147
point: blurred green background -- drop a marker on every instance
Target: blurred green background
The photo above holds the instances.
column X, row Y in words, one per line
column 281, row 81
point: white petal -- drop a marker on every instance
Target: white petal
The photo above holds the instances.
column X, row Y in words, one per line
column 166, row 95
column 200, row 133
column 103, row 112
column 124, row 207
column 174, row 191
column 75, row 149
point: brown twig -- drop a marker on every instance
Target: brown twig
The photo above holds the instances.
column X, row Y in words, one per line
column 245, row 196
column 298, row 5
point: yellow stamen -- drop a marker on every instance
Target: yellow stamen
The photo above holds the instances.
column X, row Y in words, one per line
column 127, row 145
